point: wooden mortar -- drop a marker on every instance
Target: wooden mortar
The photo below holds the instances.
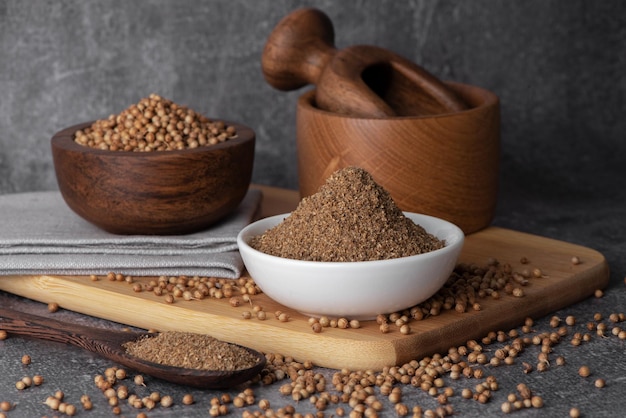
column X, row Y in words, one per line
column 442, row 165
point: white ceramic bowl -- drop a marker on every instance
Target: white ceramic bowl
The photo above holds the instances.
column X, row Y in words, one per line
column 355, row 290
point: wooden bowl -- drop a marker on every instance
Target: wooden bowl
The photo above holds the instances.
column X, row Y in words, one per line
column 442, row 165
column 153, row 193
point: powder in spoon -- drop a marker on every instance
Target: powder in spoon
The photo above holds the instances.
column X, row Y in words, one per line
column 350, row 218
column 191, row 351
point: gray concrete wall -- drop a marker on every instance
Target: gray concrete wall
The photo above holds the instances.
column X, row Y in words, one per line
column 559, row 67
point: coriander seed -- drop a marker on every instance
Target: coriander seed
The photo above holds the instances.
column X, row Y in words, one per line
column 120, row 374
column 584, row 371
column 536, row 401
column 53, row 403
column 264, row 404
column 167, row 401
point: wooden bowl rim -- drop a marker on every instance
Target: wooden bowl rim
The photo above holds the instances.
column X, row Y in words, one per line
column 307, row 102
column 64, row 139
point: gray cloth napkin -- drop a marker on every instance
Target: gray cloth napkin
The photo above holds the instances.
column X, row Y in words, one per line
column 40, row 234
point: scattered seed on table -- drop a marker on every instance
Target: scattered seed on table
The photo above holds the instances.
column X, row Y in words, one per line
column 584, row 371
column 167, row 401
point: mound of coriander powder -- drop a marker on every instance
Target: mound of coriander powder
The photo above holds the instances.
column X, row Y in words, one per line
column 191, row 351
column 350, row 218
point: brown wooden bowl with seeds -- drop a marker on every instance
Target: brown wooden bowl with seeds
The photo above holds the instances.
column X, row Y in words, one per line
column 157, row 192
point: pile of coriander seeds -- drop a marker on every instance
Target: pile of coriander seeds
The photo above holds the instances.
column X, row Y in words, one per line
column 154, row 124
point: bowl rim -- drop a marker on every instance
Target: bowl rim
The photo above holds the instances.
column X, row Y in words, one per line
column 306, row 102
column 458, row 234
column 64, row 139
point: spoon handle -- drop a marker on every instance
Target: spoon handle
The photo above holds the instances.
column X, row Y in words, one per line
column 89, row 338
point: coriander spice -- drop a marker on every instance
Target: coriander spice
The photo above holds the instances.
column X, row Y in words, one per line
column 191, row 351
column 351, row 218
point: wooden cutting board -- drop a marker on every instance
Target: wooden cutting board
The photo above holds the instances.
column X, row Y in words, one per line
column 364, row 348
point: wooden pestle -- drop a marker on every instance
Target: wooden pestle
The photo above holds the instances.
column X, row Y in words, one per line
column 361, row 80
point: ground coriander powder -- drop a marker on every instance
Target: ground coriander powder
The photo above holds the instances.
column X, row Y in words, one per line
column 191, row 351
column 350, row 218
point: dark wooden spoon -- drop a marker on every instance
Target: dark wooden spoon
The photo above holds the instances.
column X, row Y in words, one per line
column 109, row 344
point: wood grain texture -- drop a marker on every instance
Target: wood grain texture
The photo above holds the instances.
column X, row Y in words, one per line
column 360, row 80
column 445, row 166
column 364, row 348
column 165, row 192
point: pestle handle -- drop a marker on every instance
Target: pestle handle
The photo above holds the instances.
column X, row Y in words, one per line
column 298, row 49
column 360, row 81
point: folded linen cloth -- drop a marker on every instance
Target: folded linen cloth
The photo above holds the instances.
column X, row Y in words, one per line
column 40, row 234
